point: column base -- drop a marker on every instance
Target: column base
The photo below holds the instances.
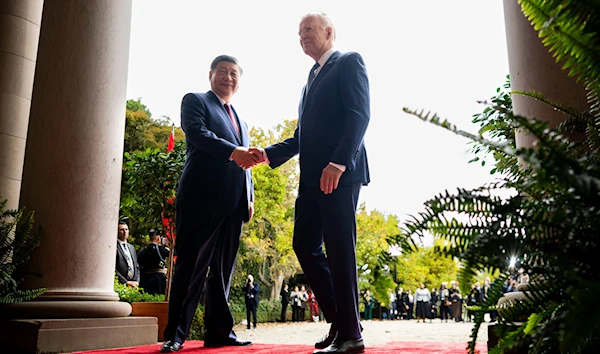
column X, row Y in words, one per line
column 68, row 335
column 64, row 309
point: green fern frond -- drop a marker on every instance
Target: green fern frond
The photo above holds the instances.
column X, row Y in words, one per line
column 21, row 295
column 570, row 111
column 17, row 239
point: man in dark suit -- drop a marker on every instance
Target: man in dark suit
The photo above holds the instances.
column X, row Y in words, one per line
column 251, row 292
column 153, row 266
column 127, row 267
column 214, row 199
column 285, row 300
column 333, row 117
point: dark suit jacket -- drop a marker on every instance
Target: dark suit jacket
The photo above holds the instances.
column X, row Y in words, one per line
column 332, row 119
column 210, row 182
column 150, row 259
column 285, row 295
column 121, row 265
column 251, row 293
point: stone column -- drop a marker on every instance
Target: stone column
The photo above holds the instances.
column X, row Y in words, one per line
column 19, row 34
column 72, row 171
column 72, row 180
column 532, row 67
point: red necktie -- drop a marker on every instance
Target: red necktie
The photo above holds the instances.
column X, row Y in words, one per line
column 235, row 126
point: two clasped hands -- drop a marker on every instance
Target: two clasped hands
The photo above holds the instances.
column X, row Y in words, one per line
column 249, row 157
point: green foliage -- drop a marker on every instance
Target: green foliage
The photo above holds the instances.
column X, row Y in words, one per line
column 197, row 328
column 267, row 311
column 130, row 294
column 373, row 229
column 547, row 219
column 150, row 180
column 494, row 126
column 144, row 132
column 425, row 266
column 17, row 240
column 544, row 211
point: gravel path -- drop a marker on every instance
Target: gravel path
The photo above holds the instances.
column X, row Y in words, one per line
column 375, row 332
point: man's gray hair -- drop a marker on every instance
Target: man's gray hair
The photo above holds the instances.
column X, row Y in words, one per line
column 324, row 18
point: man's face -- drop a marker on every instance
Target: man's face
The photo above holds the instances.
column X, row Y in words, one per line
column 224, row 79
column 314, row 39
column 123, row 232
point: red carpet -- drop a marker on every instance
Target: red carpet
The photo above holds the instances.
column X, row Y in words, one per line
column 194, row 346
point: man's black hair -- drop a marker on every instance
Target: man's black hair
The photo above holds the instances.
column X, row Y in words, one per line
column 227, row 58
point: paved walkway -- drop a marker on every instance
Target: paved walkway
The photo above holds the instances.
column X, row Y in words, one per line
column 375, row 332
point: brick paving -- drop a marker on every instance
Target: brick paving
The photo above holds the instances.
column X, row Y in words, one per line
column 375, row 332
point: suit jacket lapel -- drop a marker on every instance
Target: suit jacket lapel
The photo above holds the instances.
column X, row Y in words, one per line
column 330, row 62
column 225, row 116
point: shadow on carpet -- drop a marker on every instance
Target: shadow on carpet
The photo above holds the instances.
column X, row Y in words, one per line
column 193, row 347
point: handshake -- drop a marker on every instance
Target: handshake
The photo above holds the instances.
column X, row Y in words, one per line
column 249, row 157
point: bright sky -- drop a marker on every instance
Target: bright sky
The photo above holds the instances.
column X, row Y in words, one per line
column 439, row 55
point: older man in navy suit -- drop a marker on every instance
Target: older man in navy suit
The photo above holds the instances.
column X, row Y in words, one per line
column 333, row 116
column 214, row 199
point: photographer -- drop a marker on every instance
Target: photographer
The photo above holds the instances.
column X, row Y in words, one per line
column 251, row 291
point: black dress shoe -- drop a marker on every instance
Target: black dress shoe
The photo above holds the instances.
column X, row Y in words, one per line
column 344, row 347
column 328, row 339
column 171, row 347
column 227, row 343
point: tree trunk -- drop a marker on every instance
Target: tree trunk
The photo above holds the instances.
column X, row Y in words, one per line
column 277, row 283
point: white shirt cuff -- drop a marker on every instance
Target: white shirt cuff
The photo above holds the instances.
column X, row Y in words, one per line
column 338, row 166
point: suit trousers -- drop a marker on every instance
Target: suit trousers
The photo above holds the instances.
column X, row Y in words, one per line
column 251, row 310
column 203, row 241
column 330, row 219
column 284, row 305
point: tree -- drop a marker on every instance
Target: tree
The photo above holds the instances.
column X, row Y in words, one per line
column 143, row 132
column 373, row 229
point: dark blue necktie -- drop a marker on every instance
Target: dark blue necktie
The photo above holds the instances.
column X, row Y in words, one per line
column 311, row 75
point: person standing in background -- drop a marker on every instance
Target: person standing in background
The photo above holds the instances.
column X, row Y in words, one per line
column 127, row 267
column 153, row 266
column 422, row 298
column 251, row 292
column 369, row 304
column 285, row 300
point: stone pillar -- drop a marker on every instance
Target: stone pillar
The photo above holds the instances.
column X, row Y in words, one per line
column 19, row 34
column 72, row 171
column 72, row 180
column 532, row 67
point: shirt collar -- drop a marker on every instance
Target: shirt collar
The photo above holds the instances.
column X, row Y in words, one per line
column 323, row 59
column 219, row 97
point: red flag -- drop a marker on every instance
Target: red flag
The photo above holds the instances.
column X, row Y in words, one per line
column 171, row 145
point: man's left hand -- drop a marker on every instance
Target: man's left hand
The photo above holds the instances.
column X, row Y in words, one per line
column 330, row 179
